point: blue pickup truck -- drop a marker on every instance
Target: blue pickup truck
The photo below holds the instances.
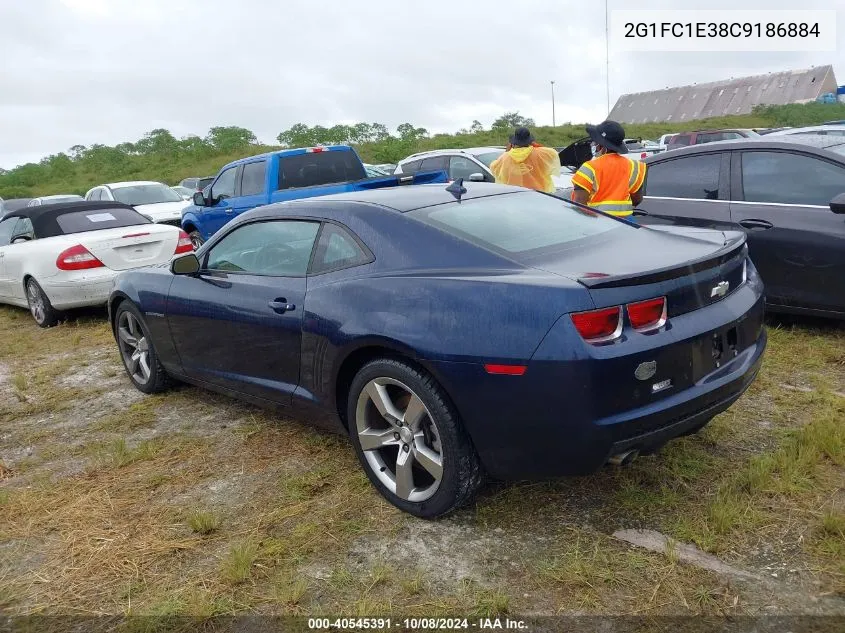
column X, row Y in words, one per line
column 288, row 174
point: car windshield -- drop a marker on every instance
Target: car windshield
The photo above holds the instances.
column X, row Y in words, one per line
column 488, row 157
column 519, row 223
column 204, row 182
column 97, row 219
column 145, row 194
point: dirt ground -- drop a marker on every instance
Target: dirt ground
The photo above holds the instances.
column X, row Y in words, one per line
column 113, row 502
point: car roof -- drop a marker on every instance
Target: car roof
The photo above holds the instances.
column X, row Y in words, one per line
column 475, row 151
column 43, row 218
column 797, row 141
column 404, row 198
column 811, row 128
column 130, row 183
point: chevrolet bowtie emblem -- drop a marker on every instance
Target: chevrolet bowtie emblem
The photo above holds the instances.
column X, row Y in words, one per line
column 720, row 289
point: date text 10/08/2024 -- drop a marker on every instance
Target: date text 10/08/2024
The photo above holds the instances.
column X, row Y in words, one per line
column 416, row 624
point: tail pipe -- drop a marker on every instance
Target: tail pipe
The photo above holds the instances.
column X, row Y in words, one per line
column 623, row 459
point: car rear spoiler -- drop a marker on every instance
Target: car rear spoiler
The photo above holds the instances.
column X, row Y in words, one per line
column 419, row 178
column 727, row 252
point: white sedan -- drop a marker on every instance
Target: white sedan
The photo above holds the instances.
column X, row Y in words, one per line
column 154, row 200
column 61, row 256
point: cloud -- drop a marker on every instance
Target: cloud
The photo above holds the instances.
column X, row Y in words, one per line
column 107, row 71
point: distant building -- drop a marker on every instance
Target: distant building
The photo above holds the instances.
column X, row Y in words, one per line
column 721, row 98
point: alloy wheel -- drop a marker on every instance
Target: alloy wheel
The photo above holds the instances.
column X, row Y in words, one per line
column 399, row 439
column 36, row 302
column 134, row 347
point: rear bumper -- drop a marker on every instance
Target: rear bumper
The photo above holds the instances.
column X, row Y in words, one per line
column 567, row 417
column 86, row 289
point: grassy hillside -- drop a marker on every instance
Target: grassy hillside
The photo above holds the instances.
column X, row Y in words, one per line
column 159, row 156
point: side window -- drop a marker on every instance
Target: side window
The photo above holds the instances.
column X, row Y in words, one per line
column 252, row 180
column 462, row 167
column 23, row 228
column 435, row 163
column 790, row 178
column 105, row 194
column 6, row 228
column 279, row 247
column 96, row 194
column 681, row 139
column 224, row 186
column 412, row 167
column 693, row 177
column 337, row 249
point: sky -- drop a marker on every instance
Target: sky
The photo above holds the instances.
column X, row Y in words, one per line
column 107, row 71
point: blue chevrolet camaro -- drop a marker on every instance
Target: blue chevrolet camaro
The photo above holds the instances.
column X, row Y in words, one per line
column 456, row 333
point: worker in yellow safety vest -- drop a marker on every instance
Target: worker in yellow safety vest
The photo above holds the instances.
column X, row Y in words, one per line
column 610, row 182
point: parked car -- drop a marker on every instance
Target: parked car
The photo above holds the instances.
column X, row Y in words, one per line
column 288, row 174
column 197, row 184
column 456, row 331
column 184, row 192
column 684, row 139
column 69, row 197
column 839, row 122
column 783, row 191
column 824, row 130
column 2, row 207
column 66, row 255
column 154, row 200
column 472, row 164
column 770, row 130
column 663, row 141
column 15, row 204
column 390, row 168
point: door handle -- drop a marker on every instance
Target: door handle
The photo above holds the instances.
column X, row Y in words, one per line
column 756, row 224
column 228, row 210
column 281, row 306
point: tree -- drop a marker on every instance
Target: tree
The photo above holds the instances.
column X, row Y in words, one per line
column 158, row 141
column 230, row 138
column 476, row 127
column 511, row 120
column 76, row 151
column 408, row 132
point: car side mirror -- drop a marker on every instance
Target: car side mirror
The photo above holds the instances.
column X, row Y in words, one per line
column 476, row 177
column 837, row 205
column 199, row 199
column 185, row 265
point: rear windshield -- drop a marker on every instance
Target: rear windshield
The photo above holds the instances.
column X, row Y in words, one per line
column 202, row 183
column 319, row 168
column 96, row 219
column 145, row 194
column 518, row 223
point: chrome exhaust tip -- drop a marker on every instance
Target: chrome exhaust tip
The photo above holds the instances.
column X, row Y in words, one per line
column 623, row 459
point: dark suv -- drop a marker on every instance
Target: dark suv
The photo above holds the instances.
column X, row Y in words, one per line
column 707, row 136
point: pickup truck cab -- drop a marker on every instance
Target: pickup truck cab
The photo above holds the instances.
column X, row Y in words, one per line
column 284, row 175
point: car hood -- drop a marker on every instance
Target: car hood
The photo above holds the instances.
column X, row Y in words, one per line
column 162, row 210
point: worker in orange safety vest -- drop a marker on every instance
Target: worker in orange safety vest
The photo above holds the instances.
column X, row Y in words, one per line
column 610, row 182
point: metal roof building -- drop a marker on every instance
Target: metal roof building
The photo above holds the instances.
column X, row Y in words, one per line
column 720, row 98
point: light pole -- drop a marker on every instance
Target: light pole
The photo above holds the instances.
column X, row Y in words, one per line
column 553, row 104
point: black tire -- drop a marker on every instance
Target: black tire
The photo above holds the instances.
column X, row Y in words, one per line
column 42, row 311
column 460, row 467
column 196, row 239
column 155, row 379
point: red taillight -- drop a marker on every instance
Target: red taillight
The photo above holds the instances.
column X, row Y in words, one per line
column 643, row 155
column 599, row 325
column 505, row 370
column 184, row 245
column 77, row 258
column 647, row 315
column 315, row 150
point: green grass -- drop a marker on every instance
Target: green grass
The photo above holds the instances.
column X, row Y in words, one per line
column 203, row 522
column 237, row 566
